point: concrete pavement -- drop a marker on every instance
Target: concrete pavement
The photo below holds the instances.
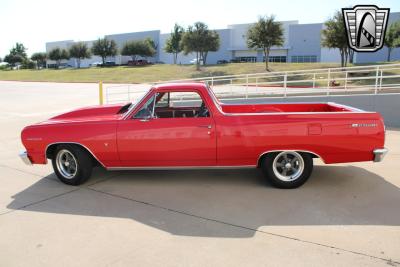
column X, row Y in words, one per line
column 345, row 215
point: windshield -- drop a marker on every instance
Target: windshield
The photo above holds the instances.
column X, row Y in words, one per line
column 137, row 97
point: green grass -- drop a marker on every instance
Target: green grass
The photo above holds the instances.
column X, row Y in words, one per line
column 151, row 73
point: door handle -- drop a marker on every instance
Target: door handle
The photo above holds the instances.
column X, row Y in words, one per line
column 205, row 126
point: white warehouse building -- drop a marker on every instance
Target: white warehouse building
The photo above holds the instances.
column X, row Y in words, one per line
column 302, row 44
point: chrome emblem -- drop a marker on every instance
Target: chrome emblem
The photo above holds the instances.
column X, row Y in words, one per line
column 366, row 27
column 356, row 125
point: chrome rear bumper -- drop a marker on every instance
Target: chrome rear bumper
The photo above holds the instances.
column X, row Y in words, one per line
column 24, row 156
column 379, row 154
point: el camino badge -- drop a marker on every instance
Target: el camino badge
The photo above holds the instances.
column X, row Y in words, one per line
column 356, row 125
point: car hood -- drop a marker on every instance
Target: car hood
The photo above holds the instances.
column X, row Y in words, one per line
column 92, row 113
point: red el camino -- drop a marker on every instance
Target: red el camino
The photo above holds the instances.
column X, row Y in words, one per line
column 184, row 125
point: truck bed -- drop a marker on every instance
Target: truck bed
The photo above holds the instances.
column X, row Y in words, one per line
column 287, row 107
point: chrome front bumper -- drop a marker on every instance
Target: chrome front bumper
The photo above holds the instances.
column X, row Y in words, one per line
column 24, row 156
column 379, row 154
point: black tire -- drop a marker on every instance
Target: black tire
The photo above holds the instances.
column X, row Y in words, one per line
column 84, row 164
column 267, row 166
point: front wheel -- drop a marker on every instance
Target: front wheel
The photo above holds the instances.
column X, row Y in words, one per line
column 72, row 164
column 287, row 169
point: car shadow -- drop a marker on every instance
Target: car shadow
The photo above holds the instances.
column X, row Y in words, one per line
column 190, row 203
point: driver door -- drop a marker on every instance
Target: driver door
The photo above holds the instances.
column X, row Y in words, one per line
column 145, row 140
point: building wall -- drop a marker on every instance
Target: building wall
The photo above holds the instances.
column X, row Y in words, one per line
column 239, row 31
column 87, row 61
column 305, row 40
column 123, row 38
column 380, row 55
column 223, row 53
column 212, row 58
column 238, row 43
column 60, row 44
column 330, row 55
column 300, row 40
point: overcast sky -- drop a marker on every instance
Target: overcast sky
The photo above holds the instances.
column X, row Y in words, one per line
column 35, row 22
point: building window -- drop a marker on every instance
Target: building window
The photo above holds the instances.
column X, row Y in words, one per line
column 304, row 59
column 276, row 59
column 246, row 59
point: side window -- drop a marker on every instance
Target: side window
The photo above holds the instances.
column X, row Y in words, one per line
column 185, row 99
column 147, row 110
column 181, row 105
column 163, row 102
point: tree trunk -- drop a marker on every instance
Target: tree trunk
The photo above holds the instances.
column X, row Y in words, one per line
column 201, row 56
column 78, row 61
column 197, row 61
column 266, row 55
column 346, row 55
column 103, row 58
column 341, row 58
column 351, row 56
column 389, row 52
column 175, row 57
column 205, row 57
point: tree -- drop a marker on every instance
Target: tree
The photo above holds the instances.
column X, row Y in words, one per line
column 40, row 58
column 152, row 44
column 104, row 48
column 142, row 48
column 334, row 36
column 57, row 55
column 392, row 38
column 19, row 49
column 200, row 40
column 211, row 43
column 264, row 34
column 17, row 55
column 13, row 59
column 79, row 51
column 173, row 44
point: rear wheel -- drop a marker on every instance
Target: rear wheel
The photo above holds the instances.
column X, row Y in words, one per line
column 287, row 169
column 72, row 164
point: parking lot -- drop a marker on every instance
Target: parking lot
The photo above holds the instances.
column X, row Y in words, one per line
column 345, row 215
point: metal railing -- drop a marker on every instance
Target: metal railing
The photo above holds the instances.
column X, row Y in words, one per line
column 370, row 79
column 123, row 93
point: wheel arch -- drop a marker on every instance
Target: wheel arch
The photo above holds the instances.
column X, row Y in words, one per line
column 262, row 155
column 50, row 148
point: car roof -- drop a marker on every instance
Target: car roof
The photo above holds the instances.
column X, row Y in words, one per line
column 180, row 85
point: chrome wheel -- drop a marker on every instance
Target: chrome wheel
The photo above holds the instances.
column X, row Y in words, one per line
column 66, row 164
column 288, row 166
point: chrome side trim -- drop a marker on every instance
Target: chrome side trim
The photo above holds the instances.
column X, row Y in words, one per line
column 292, row 150
column 180, row 168
column 379, row 154
column 75, row 143
column 24, row 157
column 294, row 113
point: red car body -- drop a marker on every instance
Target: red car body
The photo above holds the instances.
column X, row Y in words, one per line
column 231, row 136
